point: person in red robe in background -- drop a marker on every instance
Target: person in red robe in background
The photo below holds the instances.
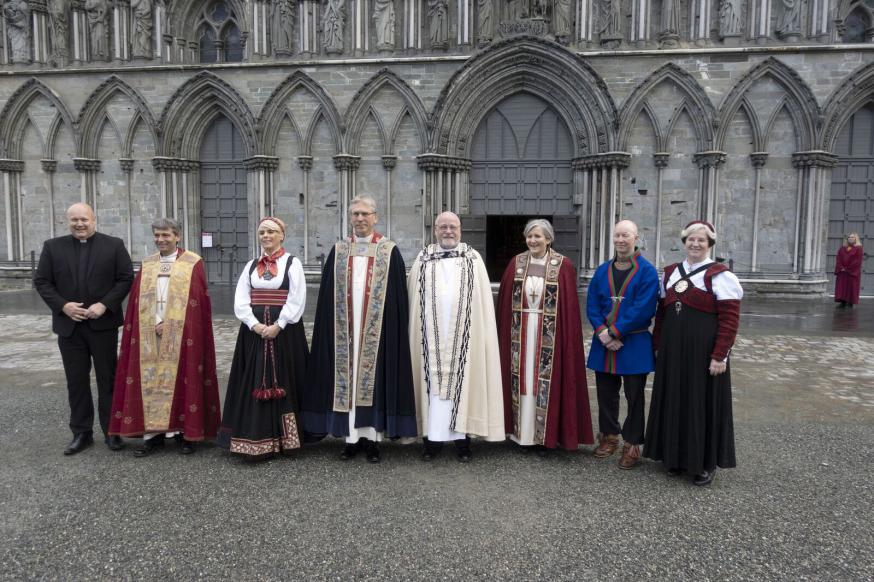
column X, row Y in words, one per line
column 165, row 383
column 848, row 272
column 546, row 400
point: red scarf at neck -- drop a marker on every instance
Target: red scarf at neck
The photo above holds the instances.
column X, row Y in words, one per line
column 268, row 263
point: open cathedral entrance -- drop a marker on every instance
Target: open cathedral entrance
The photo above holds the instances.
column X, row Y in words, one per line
column 851, row 207
column 223, row 202
column 521, row 169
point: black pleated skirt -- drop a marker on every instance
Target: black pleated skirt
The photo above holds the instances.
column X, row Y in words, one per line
column 690, row 426
column 260, row 428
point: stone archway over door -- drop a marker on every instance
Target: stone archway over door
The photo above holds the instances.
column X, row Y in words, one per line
column 851, row 208
column 521, row 167
column 223, row 201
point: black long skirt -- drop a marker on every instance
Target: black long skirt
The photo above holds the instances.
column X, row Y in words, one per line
column 260, row 428
column 690, row 426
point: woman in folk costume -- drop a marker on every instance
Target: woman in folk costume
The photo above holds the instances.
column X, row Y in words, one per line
column 546, row 400
column 261, row 403
column 690, row 427
column 848, row 272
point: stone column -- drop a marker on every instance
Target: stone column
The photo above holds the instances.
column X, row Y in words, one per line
column 757, row 159
column 660, row 160
column 699, row 29
column 347, row 166
column 412, row 25
column 759, row 20
column 193, row 51
column 585, row 25
column 306, row 165
column 818, row 21
column 388, row 163
column 10, row 174
column 600, row 179
column 638, row 35
column 174, row 176
column 167, row 51
column 308, row 27
column 360, row 29
column 79, row 31
column 446, row 187
column 89, row 168
column 261, row 169
column 261, row 14
column 39, row 34
column 121, row 30
column 127, row 166
column 49, row 167
column 158, row 31
column 814, row 176
column 180, row 50
column 464, row 11
column 708, row 182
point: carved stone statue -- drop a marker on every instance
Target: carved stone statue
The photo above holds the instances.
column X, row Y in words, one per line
column 141, row 13
column 384, row 21
column 97, row 11
column 281, row 27
column 333, row 20
column 484, row 27
column 610, row 18
column 729, row 18
column 561, row 18
column 17, row 14
column 59, row 11
column 516, row 10
column 790, row 19
column 438, row 21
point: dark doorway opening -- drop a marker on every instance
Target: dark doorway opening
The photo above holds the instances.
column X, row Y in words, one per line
column 504, row 240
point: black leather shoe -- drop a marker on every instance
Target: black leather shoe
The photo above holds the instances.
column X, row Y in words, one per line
column 349, row 451
column 541, row 451
column 704, row 478
column 80, row 442
column 674, row 472
column 149, row 446
column 372, row 452
column 186, row 447
column 462, row 449
column 114, row 442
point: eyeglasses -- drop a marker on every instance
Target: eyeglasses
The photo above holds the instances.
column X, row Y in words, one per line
column 361, row 214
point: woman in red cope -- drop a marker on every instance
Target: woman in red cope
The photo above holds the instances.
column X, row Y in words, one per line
column 546, row 400
column 848, row 272
column 690, row 427
column 261, row 403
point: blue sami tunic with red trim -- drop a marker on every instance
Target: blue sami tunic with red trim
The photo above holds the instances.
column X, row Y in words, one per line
column 628, row 312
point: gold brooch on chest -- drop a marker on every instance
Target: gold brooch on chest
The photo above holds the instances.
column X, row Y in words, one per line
column 165, row 268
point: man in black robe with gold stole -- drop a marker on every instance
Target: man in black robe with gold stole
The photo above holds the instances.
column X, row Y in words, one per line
column 359, row 382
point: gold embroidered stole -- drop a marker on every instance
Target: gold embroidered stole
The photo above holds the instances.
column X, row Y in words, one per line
column 159, row 360
column 548, row 328
column 371, row 328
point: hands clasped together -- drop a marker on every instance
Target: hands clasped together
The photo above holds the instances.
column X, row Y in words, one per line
column 77, row 312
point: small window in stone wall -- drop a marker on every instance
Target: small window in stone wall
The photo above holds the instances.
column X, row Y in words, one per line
column 218, row 21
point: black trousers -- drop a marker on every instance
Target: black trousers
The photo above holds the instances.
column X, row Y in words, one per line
column 77, row 352
column 632, row 429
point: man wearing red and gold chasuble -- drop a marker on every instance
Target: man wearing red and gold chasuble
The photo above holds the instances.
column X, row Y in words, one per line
column 621, row 302
column 165, row 383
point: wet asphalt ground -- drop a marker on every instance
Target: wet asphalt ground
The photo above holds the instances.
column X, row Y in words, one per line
column 799, row 506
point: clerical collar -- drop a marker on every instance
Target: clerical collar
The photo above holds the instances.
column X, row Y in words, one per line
column 169, row 258
column 362, row 239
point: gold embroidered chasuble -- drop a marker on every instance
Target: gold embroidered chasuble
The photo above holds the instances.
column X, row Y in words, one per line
column 159, row 357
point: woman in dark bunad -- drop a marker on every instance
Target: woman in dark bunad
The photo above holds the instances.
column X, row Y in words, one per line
column 546, row 400
column 690, row 427
column 261, row 403
column 848, row 272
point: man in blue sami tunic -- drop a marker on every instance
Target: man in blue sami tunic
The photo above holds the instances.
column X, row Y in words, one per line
column 621, row 303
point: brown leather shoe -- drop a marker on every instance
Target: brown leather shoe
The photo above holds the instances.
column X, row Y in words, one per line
column 607, row 445
column 630, row 456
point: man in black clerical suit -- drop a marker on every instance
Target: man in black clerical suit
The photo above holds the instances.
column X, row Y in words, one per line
column 84, row 278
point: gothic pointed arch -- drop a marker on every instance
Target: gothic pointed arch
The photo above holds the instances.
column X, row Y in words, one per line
column 533, row 65
column 14, row 116
column 94, row 110
column 275, row 109
column 696, row 102
column 856, row 91
column 803, row 107
column 356, row 114
column 194, row 106
column 186, row 16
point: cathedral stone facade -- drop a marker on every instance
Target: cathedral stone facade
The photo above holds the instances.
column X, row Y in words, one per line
column 756, row 115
